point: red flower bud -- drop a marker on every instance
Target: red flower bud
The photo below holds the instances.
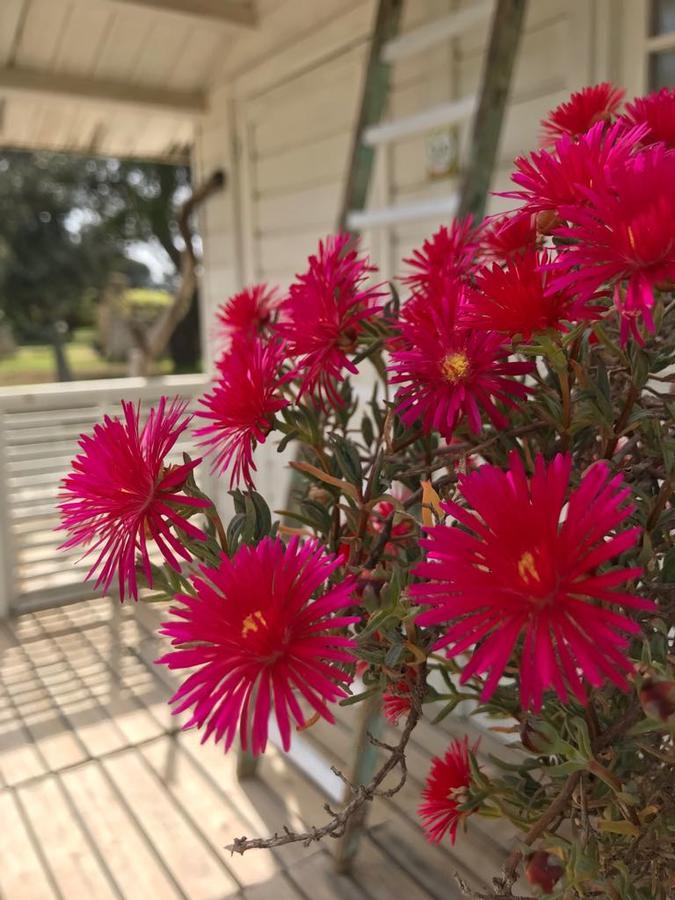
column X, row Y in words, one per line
column 543, row 870
column 546, row 220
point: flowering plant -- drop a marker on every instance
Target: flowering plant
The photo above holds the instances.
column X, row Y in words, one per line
column 489, row 522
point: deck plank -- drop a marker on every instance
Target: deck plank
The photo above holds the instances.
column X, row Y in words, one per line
column 214, row 810
column 135, row 868
column 315, row 875
column 279, row 887
column 193, row 864
column 21, row 873
column 75, row 868
column 138, row 810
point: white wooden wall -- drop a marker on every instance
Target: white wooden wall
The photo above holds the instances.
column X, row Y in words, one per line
column 289, row 105
column 281, row 125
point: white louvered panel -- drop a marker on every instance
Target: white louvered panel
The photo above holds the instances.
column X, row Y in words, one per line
column 40, row 429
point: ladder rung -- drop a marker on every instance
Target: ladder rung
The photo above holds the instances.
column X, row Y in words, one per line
column 434, row 117
column 436, row 32
column 411, row 212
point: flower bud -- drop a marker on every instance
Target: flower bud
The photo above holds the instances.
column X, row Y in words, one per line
column 319, row 495
column 543, row 870
column 546, row 221
column 658, row 700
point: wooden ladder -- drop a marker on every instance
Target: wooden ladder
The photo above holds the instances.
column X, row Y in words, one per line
column 485, row 109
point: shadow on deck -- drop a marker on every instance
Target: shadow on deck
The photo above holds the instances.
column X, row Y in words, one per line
column 101, row 797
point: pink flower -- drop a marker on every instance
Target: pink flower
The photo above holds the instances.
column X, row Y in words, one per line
column 446, row 257
column 447, row 371
column 446, row 790
column 324, row 314
column 242, row 406
column 400, row 531
column 248, row 313
column 523, row 563
column 550, row 180
column 121, row 494
column 397, row 699
column 514, row 299
column 584, row 109
column 505, row 236
column 656, row 112
column 624, row 239
column 259, row 641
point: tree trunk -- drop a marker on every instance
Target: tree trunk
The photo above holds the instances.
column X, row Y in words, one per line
column 63, row 370
column 185, row 342
column 151, row 345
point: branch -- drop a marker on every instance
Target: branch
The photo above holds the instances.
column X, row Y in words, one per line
column 150, row 346
column 558, row 806
column 539, row 827
column 362, row 793
column 660, row 504
column 621, row 422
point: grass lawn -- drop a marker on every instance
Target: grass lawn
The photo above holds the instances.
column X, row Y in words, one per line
column 35, row 364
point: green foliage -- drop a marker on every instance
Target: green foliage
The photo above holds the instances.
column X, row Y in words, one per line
column 68, row 222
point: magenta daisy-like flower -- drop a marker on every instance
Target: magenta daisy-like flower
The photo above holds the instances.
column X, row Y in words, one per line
column 241, row 407
column 260, row 641
column 445, row 791
column 657, row 112
column 596, row 104
column 446, row 257
column 447, row 371
column 528, row 560
column 513, row 299
column 248, row 313
column 551, row 179
column 506, row 236
column 121, row 496
column 323, row 315
column 623, row 239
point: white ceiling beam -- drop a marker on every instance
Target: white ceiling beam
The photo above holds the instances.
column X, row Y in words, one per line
column 229, row 12
column 51, row 85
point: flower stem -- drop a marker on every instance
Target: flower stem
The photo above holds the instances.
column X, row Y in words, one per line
column 621, row 422
column 220, row 529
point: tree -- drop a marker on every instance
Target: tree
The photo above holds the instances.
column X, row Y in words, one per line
column 140, row 201
column 48, row 263
column 70, row 221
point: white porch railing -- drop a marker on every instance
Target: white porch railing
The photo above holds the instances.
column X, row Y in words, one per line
column 39, row 429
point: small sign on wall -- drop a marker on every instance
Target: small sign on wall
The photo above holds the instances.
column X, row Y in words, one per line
column 442, row 152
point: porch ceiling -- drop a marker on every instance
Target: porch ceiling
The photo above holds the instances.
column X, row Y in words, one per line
column 112, row 77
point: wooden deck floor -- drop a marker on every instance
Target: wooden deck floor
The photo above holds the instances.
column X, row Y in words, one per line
column 100, row 796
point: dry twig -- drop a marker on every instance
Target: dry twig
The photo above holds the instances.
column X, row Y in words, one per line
column 362, row 793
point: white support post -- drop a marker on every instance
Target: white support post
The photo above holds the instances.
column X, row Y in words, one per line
column 7, row 555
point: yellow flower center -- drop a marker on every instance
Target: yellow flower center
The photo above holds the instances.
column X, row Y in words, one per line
column 253, row 622
column 631, row 237
column 454, row 367
column 527, row 568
